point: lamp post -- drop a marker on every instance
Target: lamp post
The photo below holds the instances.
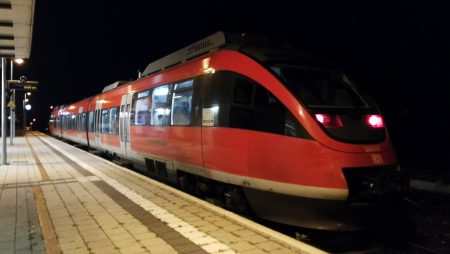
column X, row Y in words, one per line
column 3, row 113
column 12, row 111
column 25, row 108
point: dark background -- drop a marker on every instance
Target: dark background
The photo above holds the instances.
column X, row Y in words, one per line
column 399, row 51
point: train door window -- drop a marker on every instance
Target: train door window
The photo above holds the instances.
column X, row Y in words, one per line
column 91, row 121
column 97, row 121
column 83, row 122
column 105, row 121
column 160, row 106
column 127, row 123
column 142, row 108
column 114, row 121
column 133, row 109
column 182, row 103
column 122, row 115
column 79, row 122
column 218, row 94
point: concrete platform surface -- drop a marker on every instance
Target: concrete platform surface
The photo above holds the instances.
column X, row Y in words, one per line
column 55, row 198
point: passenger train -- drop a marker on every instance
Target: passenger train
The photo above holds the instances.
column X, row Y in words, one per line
column 266, row 128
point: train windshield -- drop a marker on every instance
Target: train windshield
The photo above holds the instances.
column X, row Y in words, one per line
column 321, row 88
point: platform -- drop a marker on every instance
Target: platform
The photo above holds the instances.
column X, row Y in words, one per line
column 55, row 198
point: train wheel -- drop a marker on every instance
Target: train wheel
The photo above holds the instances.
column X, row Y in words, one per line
column 186, row 183
column 235, row 200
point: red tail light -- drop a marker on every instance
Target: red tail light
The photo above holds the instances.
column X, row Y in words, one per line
column 329, row 120
column 375, row 121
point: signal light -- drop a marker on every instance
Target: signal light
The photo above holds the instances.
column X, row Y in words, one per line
column 375, row 121
column 329, row 120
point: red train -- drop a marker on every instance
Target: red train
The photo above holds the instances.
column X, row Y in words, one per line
column 261, row 126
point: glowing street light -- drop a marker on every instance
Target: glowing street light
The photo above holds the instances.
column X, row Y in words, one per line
column 18, row 60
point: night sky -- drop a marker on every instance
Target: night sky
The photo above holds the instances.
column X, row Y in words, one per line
column 399, row 51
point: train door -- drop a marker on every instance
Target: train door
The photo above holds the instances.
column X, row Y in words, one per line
column 97, row 123
column 124, row 124
column 79, row 135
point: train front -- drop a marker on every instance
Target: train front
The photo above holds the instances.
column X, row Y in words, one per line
column 348, row 166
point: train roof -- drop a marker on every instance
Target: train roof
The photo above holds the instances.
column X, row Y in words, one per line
column 114, row 85
column 255, row 46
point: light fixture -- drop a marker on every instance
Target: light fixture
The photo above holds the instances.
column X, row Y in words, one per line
column 328, row 120
column 18, row 60
column 375, row 121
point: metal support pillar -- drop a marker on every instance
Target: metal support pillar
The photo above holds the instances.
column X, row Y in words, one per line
column 3, row 115
column 12, row 110
column 24, row 112
column 12, row 114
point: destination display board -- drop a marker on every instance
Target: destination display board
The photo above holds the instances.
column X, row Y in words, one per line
column 23, row 85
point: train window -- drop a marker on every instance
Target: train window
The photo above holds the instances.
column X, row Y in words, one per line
column 105, row 121
column 142, row 109
column 270, row 113
column 321, row 88
column 73, row 123
column 160, row 105
column 241, row 113
column 91, row 121
column 239, row 102
column 182, row 103
column 83, row 122
column 114, row 121
column 184, row 84
column 243, row 92
column 68, row 122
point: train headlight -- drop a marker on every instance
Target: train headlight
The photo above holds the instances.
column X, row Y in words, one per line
column 328, row 120
column 375, row 121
